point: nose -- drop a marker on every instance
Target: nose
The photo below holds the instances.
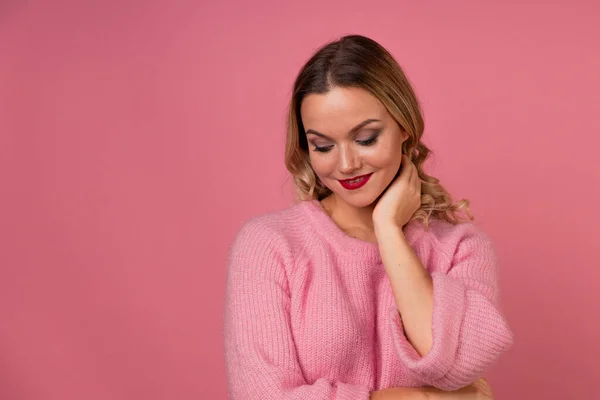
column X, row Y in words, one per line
column 348, row 160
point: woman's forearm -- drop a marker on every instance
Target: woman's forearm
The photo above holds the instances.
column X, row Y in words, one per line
column 411, row 284
column 475, row 391
column 400, row 394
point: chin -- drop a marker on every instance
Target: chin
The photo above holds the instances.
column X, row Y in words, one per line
column 360, row 200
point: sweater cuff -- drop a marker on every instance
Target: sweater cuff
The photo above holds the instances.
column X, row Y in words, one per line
column 448, row 313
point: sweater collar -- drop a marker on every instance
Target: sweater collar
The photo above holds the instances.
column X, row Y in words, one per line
column 332, row 233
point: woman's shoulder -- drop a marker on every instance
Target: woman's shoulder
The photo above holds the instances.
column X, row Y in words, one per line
column 280, row 228
column 454, row 236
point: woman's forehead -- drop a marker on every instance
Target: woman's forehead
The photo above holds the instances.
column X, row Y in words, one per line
column 341, row 106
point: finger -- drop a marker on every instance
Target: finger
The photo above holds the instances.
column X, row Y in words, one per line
column 412, row 177
column 413, row 170
column 406, row 160
column 408, row 170
column 404, row 169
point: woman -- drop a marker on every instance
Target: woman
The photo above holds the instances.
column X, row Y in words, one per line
column 372, row 286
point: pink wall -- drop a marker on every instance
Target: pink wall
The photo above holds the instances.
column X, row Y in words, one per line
column 136, row 136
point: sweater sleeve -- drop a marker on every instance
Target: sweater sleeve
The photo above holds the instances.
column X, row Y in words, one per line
column 469, row 331
column 260, row 351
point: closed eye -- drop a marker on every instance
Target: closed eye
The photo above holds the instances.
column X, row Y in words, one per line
column 323, row 149
column 367, row 142
column 370, row 141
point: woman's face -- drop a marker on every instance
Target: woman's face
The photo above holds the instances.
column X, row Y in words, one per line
column 351, row 134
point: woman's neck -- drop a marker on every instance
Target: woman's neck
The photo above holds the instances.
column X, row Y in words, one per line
column 355, row 221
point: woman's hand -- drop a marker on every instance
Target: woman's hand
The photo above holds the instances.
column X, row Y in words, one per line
column 401, row 199
column 479, row 390
column 400, row 394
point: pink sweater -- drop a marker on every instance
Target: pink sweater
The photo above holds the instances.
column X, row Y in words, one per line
column 310, row 313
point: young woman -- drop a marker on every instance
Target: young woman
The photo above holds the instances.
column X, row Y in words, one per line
column 371, row 286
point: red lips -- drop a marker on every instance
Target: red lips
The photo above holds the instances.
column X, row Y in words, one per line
column 356, row 182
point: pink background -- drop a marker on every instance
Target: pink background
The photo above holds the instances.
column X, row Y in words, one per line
column 135, row 137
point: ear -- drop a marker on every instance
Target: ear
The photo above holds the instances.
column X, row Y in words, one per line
column 403, row 135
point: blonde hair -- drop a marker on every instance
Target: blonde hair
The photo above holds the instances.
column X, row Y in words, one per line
column 357, row 61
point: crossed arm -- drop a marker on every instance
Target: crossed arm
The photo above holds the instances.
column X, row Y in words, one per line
column 449, row 329
column 259, row 367
column 479, row 390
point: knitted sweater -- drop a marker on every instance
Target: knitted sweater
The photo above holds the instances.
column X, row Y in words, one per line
column 310, row 313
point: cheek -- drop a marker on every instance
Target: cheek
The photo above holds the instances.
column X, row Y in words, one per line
column 383, row 157
column 322, row 165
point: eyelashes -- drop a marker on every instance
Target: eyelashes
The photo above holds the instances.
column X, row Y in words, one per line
column 368, row 142
column 322, row 149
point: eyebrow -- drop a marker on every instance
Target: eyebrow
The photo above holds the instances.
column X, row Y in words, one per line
column 356, row 128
